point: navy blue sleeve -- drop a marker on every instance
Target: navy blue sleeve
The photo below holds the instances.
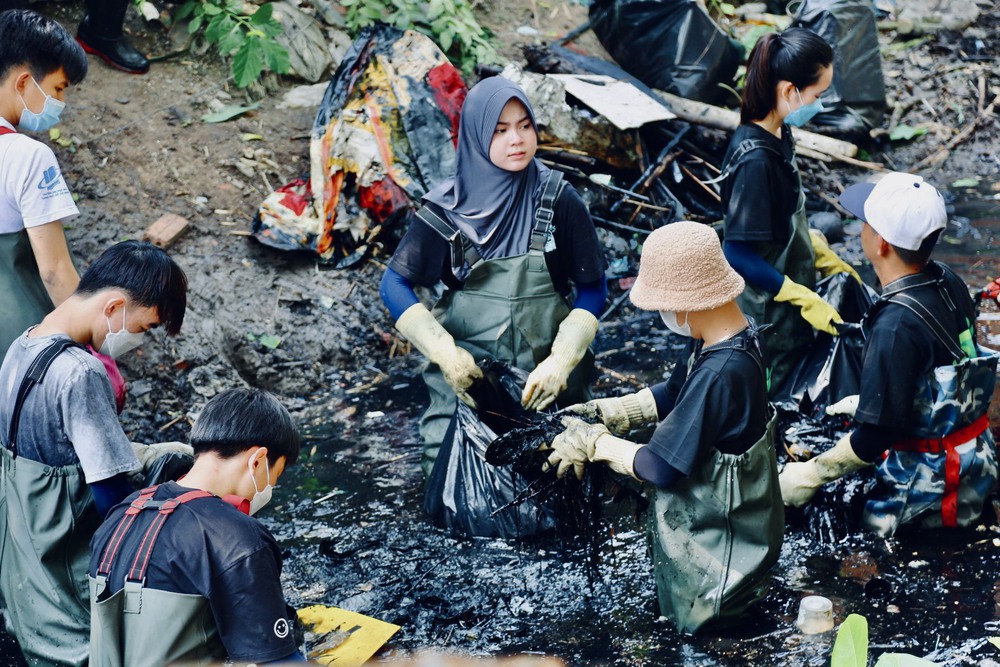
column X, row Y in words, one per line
column 754, row 269
column 109, row 492
column 397, row 293
column 589, row 296
column 869, row 441
column 653, row 469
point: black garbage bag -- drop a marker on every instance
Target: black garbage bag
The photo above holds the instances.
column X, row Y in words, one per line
column 468, row 495
column 832, row 369
column 855, row 101
column 672, row 45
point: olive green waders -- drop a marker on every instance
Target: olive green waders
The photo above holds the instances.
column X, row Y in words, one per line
column 24, row 300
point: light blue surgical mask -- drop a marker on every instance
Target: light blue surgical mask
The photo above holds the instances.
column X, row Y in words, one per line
column 47, row 118
column 804, row 113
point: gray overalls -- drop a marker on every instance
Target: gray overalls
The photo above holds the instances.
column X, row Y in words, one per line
column 716, row 533
column 145, row 627
column 789, row 337
column 47, row 517
column 508, row 309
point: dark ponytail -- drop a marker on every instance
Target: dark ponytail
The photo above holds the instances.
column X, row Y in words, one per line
column 797, row 55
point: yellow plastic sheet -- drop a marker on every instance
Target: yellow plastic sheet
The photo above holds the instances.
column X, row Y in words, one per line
column 366, row 635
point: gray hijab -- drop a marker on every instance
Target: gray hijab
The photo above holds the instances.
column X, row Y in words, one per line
column 494, row 207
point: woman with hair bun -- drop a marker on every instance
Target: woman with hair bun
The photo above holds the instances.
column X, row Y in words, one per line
column 767, row 239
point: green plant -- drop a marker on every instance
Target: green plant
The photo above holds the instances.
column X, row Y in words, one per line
column 448, row 22
column 851, row 648
column 249, row 39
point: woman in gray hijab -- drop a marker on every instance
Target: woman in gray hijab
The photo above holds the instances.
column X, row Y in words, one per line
column 510, row 240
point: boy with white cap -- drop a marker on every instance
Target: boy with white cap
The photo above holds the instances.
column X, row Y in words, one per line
column 717, row 521
column 925, row 383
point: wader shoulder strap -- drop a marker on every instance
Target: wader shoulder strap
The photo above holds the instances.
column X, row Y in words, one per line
column 938, row 329
column 744, row 148
column 462, row 250
column 546, row 213
column 136, row 575
column 34, row 376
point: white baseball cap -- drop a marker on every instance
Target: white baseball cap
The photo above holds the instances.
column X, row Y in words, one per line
column 904, row 209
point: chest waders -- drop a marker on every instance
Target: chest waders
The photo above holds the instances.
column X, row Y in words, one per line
column 23, row 298
column 144, row 627
column 942, row 475
column 507, row 309
column 47, row 517
column 789, row 337
column 715, row 534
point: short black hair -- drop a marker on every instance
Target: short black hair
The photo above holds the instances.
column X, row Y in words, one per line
column 921, row 255
column 238, row 419
column 28, row 38
column 147, row 274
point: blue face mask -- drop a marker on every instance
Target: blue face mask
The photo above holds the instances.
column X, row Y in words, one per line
column 49, row 116
column 804, row 113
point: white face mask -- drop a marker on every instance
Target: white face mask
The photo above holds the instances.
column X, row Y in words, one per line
column 261, row 497
column 117, row 343
column 670, row 319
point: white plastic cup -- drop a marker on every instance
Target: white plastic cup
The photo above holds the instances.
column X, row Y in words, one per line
column 815, row 615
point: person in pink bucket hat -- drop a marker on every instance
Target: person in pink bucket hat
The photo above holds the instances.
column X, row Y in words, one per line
column 717, row 519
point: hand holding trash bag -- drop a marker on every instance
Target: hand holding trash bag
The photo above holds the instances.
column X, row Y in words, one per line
column 147, row 454
column 427, row 335
column 549, row 378
column 848, row 405
column 812, row 307
column 800, row 481
column 827, row 261
column 620, row 414
column 574, row 446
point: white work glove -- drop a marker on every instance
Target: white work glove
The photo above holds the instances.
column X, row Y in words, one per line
column 549, row 378
column 800, row 481
column 574, row 446
column 427, row 335
column 147, row 454
column 621, row 414
column 848, row 405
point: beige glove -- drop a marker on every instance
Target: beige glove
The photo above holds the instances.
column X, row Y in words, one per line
column 827, row 262
column 814, row 310
column 848, row 405
column 617, row 453
column 621, row 414
column 799, row 481
column 574, row 446
column 427, row 335
column 549, row 378
column 147, row 454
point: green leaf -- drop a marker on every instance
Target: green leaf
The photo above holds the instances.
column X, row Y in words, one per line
column 194, row 25
column 185, row 11
column 248, row 62
column 220, row 26
column 727, row 8
column 446, row 38
column 966, row 183
column 263, row 14
column 270, row 341
column 277, row 57
column 228, row 113
column 906, row 132
column 210, row 10
column 851, row 647
column 902, row 660
column 995, row 641
column 231, row 41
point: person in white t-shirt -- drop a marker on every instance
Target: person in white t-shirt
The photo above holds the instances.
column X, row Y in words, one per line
column 39, row 61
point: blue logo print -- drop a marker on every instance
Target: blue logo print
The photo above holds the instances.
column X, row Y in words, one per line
column 50, row 179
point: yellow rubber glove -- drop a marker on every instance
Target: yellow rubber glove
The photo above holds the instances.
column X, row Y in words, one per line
column 427, row 335
column 827, row 262
column 621, row 414
column 800, row 481
column 549, row 378
column 814, row 310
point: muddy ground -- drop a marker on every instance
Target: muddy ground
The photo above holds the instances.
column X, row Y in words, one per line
column 142, row 151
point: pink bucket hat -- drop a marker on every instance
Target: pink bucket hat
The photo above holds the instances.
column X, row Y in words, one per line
column 682, row 269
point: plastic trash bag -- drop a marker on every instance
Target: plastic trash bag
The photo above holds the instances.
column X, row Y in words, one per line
column 832, row 369
column 671, row 45
column 466, row 494
column 385, row 133
column 856, row 98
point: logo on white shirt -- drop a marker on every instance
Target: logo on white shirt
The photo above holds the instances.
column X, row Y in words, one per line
column 50, row 179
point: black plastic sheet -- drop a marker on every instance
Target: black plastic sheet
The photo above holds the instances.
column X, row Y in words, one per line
column 832, row 369
column 856, row 98
column 672, row 45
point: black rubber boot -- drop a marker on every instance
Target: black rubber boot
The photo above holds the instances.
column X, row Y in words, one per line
column 100, row 32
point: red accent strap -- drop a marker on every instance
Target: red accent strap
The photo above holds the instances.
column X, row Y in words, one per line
column 6, row 130
column 952, row 461
column 116, row 538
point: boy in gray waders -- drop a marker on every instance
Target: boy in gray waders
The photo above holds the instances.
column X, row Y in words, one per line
column 206, row 586
column 716, row 522
column 65, row 460
column 925, row 383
